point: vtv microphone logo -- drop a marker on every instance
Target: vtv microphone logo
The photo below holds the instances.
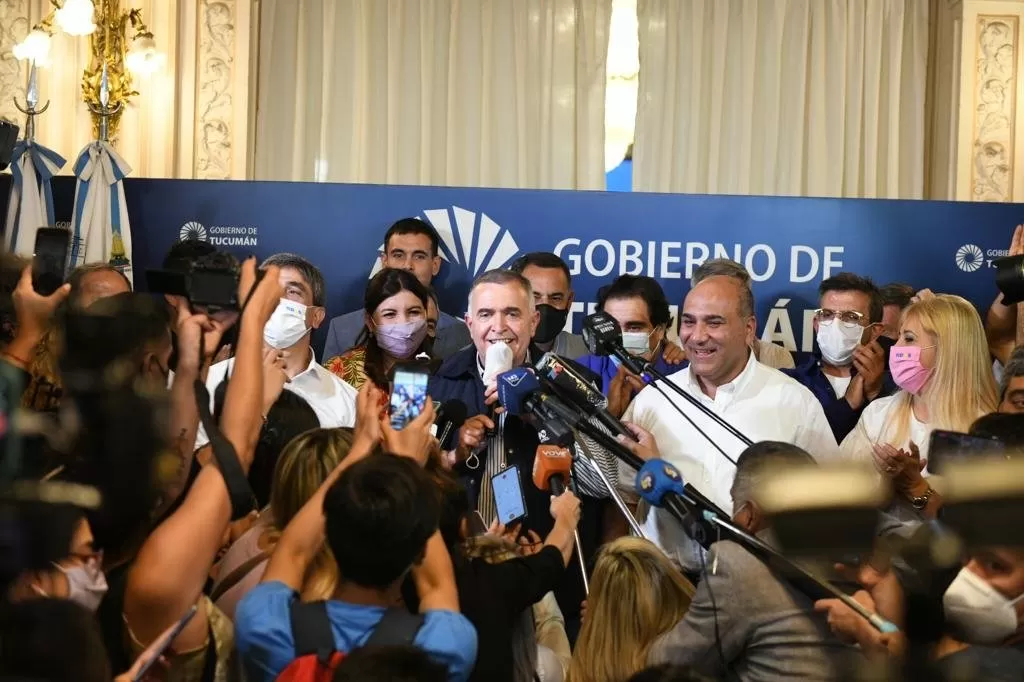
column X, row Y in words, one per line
column 470, row 241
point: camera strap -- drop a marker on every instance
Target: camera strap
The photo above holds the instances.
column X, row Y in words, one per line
column 243, row 500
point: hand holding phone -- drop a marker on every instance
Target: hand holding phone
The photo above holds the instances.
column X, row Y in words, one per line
column 50, row 259
column 408, row 396
column 509, row 500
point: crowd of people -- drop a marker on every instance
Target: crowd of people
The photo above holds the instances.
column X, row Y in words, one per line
column 194, row 494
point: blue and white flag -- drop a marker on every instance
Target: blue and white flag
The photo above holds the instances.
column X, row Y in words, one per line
column 31, row 205
column 100, row 219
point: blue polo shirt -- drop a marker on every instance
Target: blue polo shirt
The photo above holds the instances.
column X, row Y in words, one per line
column 606, row 369
column 263, row 633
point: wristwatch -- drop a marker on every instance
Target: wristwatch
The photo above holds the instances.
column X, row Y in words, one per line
column 921, row 501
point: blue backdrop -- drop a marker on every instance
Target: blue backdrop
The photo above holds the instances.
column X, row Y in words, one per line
column 788, row 244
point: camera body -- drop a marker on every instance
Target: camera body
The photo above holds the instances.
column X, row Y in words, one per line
column 210, row 282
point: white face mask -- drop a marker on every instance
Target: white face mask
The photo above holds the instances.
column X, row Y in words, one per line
column 979, row 612
column 286, row 326
column 637, row 343
column 837, row 341
column 87, row 585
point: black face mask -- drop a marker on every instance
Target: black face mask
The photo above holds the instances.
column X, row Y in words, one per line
column 552, row 321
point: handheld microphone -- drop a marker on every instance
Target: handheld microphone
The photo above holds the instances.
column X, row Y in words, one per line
column 499, row 359
column 661, row 485
column 603, row 337
column 552, row 467
column 520, row 393
column 451, row 415
column 570, row 385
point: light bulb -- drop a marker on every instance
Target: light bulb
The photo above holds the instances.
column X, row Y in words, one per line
column 35, row 47
column 75, row 17
column 143, row 58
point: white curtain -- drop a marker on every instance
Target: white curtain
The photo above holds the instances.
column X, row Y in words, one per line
column 787, row 97
column 500, row 93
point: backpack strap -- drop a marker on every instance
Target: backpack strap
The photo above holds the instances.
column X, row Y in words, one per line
column 236, row 576
column 311, row 630
column 397, row 627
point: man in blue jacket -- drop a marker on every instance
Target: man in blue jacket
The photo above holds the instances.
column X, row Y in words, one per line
column 502, row 311
column 850, row 366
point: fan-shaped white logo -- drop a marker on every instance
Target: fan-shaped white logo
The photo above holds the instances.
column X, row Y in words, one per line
column 969, row 257
column 192, row 230
column 472, row 241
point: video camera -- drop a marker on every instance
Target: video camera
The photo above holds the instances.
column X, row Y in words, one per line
column 209, row 281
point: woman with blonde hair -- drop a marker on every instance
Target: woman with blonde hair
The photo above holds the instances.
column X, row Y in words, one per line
column 636, row 596
column 941, row 364
column 303, row 466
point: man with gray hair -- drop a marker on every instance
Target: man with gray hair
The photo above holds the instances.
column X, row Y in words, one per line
column 766, row 353
column 1011, row 386
column 743, row 618
column 502, row 313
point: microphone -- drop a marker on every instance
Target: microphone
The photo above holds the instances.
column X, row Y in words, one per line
column 451, row 415
column 661, row 485
column 520, row 393
column 552, row 469
column 603, row 337
column 499, row 359
column 570, row 385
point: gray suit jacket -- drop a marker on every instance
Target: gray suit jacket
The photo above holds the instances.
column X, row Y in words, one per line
column 768, row 630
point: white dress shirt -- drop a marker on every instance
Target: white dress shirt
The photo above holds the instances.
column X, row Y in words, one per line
column 762, row 403
column 333, row 400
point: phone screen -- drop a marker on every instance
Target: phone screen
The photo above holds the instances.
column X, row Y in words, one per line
column 947, row 446
column 50, row 259
column 408, row 397
column 508, row 495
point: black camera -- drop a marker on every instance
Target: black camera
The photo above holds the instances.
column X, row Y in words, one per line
column 1010, row 278
column 209, row 282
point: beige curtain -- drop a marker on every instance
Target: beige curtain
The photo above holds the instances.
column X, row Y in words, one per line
column 502, row 93
column 788, row 97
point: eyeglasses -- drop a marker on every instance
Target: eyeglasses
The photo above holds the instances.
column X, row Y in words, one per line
column 845, row 316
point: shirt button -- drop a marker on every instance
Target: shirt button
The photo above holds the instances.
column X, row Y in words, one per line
column 509, row 451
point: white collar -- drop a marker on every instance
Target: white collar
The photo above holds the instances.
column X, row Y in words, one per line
column 734, row 386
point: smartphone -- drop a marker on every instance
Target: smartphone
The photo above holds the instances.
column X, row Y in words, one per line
column 508, row 495
column 408, row 396
column 155, row 650
column 947, row 446
column 50, row 262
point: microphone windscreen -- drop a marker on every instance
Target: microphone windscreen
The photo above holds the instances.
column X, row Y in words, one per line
column 452, row 412
column 550, row 460
column 514, row 386
column 569, row 383
column 656, row 479
column 601, row 332
column 498, row 360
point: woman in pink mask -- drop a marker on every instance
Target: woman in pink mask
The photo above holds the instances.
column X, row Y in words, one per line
column 395, row 331
column 941, row 364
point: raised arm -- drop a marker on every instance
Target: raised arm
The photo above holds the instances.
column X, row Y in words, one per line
column 174, row 562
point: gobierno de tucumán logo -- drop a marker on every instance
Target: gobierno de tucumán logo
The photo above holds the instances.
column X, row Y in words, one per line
column 470, row 241
column 192, row 230
column 970, row 257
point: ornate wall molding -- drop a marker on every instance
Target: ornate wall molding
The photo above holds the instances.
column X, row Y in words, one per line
column 997, row 46
column 14, row 26
column 215, row 74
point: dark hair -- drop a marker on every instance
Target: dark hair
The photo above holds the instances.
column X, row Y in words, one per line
column 1008, row 428
column 390, row 664
column 414, row 226
column 897, row 293
column 51, row 639
column 847, row 281
column 1013, row 368
column 116, row 328
column 288, row 417
column 379, row 515
column 314, row 278
column 385, row 284
column 10, row 274
column 638, row 286
column 541, row 259
column 183, row 254
column 77, row 278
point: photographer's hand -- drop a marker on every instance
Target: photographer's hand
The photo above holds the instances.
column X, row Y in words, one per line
column 34, row 313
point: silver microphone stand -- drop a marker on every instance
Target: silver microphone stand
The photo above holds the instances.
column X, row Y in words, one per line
column 588, row 460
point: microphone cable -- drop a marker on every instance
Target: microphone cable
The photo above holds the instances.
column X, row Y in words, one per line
column 685, row 416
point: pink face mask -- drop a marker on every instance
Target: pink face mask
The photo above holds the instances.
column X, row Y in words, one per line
column 907, row 370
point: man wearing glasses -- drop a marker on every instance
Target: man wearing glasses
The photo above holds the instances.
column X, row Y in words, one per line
column 849, row 365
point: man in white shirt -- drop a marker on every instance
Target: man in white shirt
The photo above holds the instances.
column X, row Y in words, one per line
column 717, row 327
column 290, row 360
